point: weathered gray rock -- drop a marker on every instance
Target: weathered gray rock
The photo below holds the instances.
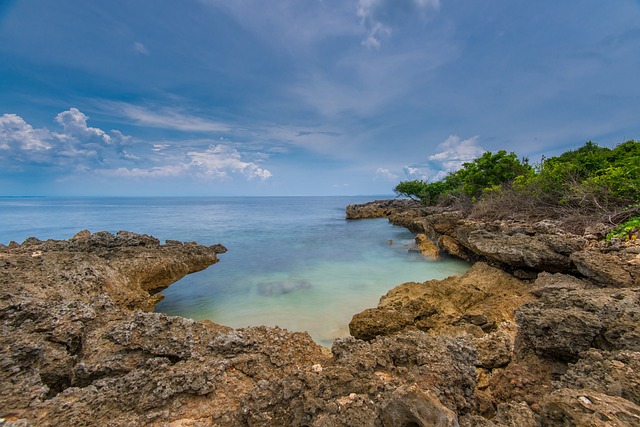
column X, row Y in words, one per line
column 548, row 282
column 409, row 377
column 381, row 208
column 605, row 269
column 494, row 349
column 562, row 324
column 615, row 373
column 518, row 250
column 411, row 406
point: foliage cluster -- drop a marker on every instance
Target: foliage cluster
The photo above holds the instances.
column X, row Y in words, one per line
column 590, row 181
column 628, row 230
column 486, row 173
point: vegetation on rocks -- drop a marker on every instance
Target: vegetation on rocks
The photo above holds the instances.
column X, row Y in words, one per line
column 582, row 186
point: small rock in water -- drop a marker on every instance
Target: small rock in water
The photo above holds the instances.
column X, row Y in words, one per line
column 282, row 287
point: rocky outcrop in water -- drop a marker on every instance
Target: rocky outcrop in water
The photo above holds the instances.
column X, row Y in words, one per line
column 524, row 249
column 557, row 342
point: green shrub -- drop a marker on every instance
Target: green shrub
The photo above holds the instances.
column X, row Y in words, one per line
column 628, row 230
column 487, row 172
column 576, row 186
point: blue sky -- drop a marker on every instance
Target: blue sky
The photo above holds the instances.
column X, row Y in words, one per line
column 304, row 97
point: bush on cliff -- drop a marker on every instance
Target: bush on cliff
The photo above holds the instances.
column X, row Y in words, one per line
column 578, row 186
column 486, row 173
column 591, row 177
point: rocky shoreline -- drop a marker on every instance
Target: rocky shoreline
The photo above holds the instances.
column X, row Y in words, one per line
column 543, row 330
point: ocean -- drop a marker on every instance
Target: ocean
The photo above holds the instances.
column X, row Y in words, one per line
column 293, row 262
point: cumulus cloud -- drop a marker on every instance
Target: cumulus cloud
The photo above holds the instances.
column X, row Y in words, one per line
column 219, row 160
column 75, row 127
column 152, row 172
column 16, row 134
column 454, row 152
column 82, row 148
column 77, row 145
column 380, row 16
column 386, row 174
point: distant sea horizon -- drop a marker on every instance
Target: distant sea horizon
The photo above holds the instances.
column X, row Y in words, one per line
column 292, row 261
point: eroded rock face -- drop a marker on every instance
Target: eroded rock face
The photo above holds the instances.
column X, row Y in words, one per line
column 410, row 378
column 382, row 208
column 563, row 324
column 427, row 248
column 616, row 373
column 524, row 249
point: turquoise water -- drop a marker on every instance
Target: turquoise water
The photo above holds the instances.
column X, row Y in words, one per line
column 294, row 262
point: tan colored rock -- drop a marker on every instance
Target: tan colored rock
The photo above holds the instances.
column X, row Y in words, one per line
column 451, row 246
column 482, row 298
column 427, row 247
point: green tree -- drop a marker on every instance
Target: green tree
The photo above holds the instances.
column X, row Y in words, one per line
column 411, row 189
column 487, row 172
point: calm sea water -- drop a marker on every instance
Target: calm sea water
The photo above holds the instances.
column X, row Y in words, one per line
column 294, row 262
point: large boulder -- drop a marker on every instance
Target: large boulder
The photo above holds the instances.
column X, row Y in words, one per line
column 474, row 303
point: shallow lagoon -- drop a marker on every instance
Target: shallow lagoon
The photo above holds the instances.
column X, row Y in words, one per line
column 294, row 262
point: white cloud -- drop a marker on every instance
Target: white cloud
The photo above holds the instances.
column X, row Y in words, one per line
column 75, row 127
column 159, row 171
column 166, row 118
column 76, row 147
column 80, row 148
column 375, row 33
column 379, row 16
column 219, row 160
column 140, row 48
column 454, row 151
column 386, row 174
column 160, row 147
column 421, row 173
column 16, row 134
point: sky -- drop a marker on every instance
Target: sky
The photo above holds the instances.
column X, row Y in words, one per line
column 302, row 97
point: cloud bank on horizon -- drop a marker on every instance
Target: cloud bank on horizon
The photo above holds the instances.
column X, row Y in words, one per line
column 208, row 97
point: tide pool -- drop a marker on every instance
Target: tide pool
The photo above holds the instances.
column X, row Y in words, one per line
column 293, row 262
